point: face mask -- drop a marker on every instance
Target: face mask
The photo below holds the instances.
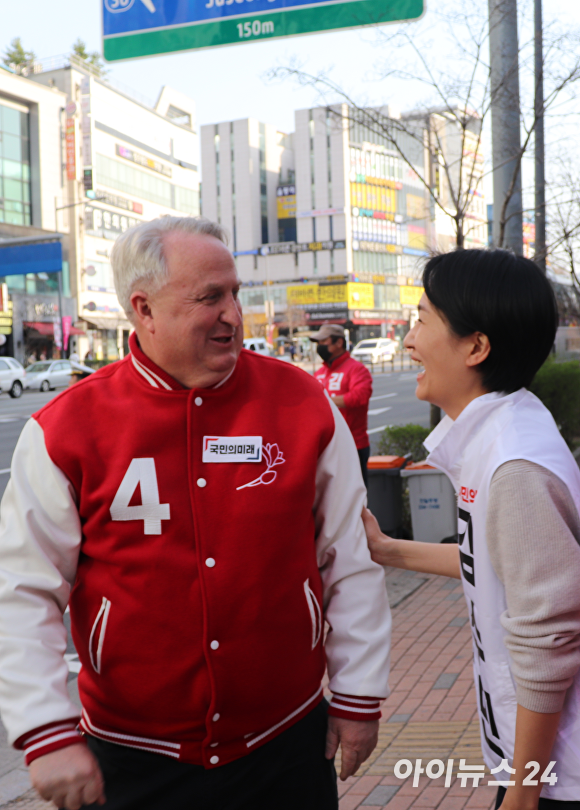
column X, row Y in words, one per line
column 323, row 351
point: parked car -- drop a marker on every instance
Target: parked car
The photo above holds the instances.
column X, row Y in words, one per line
column 47, row 374
column 258, row 345
column 12, row 377
column 375, row 350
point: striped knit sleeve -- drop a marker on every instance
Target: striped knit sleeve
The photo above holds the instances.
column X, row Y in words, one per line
column 49, row 738
column 355, row 708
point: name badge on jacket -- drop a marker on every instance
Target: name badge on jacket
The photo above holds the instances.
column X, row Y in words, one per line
column 220, row 449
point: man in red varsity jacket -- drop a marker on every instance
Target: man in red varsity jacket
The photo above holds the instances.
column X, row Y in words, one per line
column 197, row 507
column 349, row 384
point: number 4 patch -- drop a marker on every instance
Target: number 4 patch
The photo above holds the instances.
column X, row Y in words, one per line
column 141, row 472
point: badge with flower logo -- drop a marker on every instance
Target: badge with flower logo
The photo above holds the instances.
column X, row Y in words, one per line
column 273, row 456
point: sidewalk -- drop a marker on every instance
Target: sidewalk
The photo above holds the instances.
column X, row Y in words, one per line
column 430, row 714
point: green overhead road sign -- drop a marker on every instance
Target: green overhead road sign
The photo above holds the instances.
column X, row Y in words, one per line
column 137, row 28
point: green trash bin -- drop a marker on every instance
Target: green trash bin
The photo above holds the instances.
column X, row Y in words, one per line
column 385, row 492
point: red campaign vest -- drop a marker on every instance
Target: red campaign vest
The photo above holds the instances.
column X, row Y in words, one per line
column 198, row 623
column 340, row 378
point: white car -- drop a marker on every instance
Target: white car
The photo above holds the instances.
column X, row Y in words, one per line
column 258, row 345
column 47, row 374
column 375, row 350
column 12, row 377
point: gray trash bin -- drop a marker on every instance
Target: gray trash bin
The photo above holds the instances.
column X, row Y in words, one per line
column 433, row 503
column 385, row 491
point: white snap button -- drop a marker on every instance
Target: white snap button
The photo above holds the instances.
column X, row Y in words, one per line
column 216, row 717
column 214, row 760
column 210, row 562
column 198, row 401
column 201, row 482
column 213, row 745
column 214, row 645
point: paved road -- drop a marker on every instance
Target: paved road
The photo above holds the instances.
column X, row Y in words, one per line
column 13, row 415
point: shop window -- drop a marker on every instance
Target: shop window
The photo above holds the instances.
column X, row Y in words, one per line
column 14, row 167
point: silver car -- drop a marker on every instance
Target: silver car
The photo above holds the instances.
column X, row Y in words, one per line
column 47, row 374
column 12, row 377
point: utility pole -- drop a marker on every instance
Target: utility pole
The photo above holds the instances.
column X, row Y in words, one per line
column 540, row 173
column 505, row 124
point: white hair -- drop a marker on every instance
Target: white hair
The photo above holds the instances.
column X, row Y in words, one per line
column 138, row 258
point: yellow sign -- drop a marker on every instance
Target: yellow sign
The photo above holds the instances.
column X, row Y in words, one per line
column 415, row 206
column 410, row 296
column 373, row 197
column 361, row 296
column 357, row 296
column 286, row 207
column 418, row 241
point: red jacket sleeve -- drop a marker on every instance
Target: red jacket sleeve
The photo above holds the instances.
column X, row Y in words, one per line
column 360, row 387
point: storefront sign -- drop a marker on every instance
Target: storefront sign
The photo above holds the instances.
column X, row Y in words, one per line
column 286, row 202
column 118, row 202
column 142, row 160
column 322, row 315
column 350, row 294
column 376, row 315
column 376, row 247
column 71, row 160
column 410, row 296
column 320, row 212
column 88, row 179
column 106, row 224
column 277, row 248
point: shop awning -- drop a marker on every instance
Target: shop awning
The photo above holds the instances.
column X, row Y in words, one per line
column 107, row 323
column 47, row 327
column 18, row 260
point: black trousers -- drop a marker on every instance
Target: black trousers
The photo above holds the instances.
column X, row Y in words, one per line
column 544, row 804
column 288, row 773
column 363, row 455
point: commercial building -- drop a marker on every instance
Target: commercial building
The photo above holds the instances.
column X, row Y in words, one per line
column 328, row 223
column 457, row 164
column 126, row 160
column 33, row 256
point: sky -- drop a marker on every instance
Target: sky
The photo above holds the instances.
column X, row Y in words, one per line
column 226, row 83
column 229, row 83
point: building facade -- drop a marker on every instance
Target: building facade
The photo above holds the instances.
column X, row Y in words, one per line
column 31, row 178
column 338, row 222
column 125, row 161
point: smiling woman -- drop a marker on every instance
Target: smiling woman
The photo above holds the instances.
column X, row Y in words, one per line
column 487, row 323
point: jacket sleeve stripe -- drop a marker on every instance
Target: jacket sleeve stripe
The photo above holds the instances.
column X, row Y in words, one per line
column 30, row 738
column 362, row 700
column 65, row 735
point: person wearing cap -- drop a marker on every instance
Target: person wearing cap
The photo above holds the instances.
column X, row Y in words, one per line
column 349, row 385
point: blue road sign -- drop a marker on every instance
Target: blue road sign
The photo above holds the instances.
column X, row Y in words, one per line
column 133, row 28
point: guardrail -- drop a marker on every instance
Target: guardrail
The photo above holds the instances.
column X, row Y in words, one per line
column 401, row 359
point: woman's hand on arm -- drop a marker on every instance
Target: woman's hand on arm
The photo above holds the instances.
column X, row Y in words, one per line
column 535, row 735
column 428, row 558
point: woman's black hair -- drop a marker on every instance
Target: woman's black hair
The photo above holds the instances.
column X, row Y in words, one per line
column 504, row 296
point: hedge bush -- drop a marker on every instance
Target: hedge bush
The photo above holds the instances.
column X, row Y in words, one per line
column 398, row 440
column 557, row 385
